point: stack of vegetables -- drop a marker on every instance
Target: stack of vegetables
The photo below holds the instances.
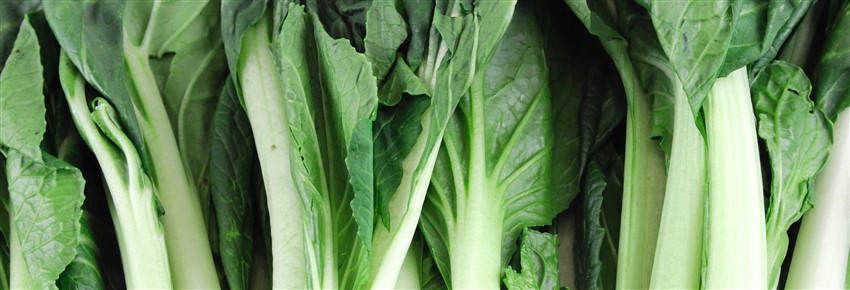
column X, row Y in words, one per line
column 425, row 144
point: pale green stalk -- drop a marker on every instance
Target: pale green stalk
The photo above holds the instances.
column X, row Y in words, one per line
column 643, row 182
column 261, row 92
column 736, row 248
column 477, row 248
column 678, row 255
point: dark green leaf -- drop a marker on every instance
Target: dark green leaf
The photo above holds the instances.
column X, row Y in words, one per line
column 832, row 84
column 11, row 15
column 419, row 15
column 231, row 163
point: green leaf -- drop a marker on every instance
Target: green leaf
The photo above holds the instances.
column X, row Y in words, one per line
column 46, row 199
column 192, row 85
column 643, row 189
column 21, row 98
column 419, row 16
column 402, row 80
column 695, row 36
column 386, row 30
column 449, row 66
column 83, row 272
column 396, row 132
column 585, row 90
column 783, row 17
column 600, row 226
column 45, row 194
column 539, row 258
column 797, row 137
column 761, row 29
column 231, row 163
column 832, row 85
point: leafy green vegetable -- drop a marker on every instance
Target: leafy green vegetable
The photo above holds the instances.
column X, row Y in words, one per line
column 137, row 54
column 695, row 36
column 491, row 178
column 131, row 194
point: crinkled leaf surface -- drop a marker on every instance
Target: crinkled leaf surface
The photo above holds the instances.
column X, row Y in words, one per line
column 539, row 260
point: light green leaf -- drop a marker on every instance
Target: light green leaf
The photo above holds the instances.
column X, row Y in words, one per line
column 21, row 98
column 331, row 96
column 797, row 137
column 45, row 194
column 46, row 200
